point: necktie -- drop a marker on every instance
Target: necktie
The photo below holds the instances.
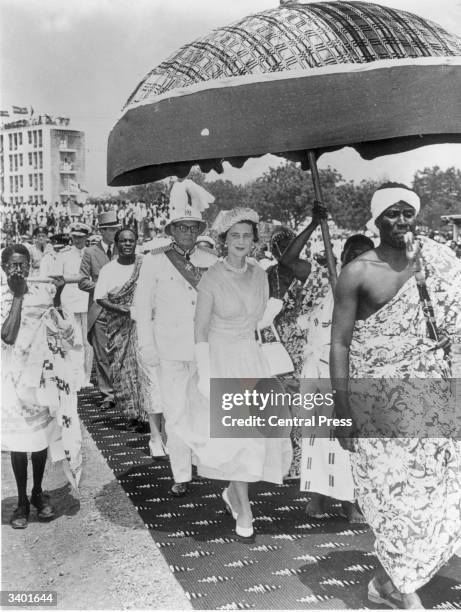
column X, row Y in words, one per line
column 109, row 253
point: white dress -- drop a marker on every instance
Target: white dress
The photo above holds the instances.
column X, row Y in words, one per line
column 239, row 300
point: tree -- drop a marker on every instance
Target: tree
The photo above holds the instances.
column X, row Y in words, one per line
column 351, row 209
column 440, row 193
column 148, row 192
column 286, row 193
column 227, row 195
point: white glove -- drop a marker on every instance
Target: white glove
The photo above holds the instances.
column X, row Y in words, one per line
column 273, row 307
column 202, row 358
column 148, row 356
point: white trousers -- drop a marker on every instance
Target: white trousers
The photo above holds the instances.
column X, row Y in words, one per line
column 82, row 324
column 174, row 379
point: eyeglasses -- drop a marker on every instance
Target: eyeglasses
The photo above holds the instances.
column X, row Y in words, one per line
column 193, row 229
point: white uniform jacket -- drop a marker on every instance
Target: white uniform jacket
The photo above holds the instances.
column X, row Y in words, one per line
column 164, row 305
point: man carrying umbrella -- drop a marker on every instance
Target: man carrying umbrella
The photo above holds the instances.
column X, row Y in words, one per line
column 395, row 313
column 164, row 309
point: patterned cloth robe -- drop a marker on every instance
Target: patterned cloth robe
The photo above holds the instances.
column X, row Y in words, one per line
column 39, row 383
column 135, row 385
column 409, row 487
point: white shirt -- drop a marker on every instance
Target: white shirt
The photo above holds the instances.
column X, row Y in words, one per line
column 106, row 246
column 68, row 263
column 112, row 276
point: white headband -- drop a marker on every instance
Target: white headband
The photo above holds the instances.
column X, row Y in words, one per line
column 384, row 198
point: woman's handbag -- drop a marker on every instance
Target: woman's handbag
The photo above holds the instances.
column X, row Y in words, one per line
column 275, row 354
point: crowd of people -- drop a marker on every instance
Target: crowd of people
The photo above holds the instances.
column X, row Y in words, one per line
column 20, row 220
column 158, row 322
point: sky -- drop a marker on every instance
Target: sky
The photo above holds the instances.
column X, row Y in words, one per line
column 82, row 59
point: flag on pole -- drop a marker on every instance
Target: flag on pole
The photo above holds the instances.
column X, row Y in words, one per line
column 20, row 110
column 4, row 114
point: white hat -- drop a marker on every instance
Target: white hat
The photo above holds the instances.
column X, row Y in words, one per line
column 79, row 229
column 228, row 218
column 187, row 202
column 208, row 239
column 384, row 198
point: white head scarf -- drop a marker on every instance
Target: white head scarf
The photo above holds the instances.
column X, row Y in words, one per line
column 384, row 198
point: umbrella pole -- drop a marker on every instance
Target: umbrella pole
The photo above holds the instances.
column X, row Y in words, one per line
column 323, row 222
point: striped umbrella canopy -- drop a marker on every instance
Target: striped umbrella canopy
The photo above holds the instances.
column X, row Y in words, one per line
column 298, row 77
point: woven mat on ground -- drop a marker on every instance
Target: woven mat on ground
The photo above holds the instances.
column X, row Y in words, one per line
column 295, row 562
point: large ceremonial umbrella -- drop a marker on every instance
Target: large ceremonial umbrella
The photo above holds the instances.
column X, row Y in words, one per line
column 297, row 80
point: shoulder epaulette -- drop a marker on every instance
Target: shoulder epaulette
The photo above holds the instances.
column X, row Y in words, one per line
column 158, row 250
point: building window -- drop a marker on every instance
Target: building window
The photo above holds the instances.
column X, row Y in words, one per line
column 40, row 160
column 35, row 138
column 35, row 160
column 11, row 184
column 40, row 143
column 29, row 133
column 10, row 141
column 15, row 162
column 15, row 140
column 35, row 182
column 21, row 181
column 30, row 159
column 40, row 176
column 20, row 160
column 11, row 162
column 16, row 184
column 30, row 180
column 20, row 139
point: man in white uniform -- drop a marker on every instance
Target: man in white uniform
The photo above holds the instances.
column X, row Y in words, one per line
column 164, row 309
column 74, row 299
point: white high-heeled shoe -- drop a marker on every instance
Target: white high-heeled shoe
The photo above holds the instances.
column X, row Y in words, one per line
column 244, row 534
column 229, row 508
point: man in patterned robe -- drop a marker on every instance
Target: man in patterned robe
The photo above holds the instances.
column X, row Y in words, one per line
column 408, row 483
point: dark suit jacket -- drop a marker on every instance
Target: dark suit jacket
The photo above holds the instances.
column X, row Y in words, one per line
column 94, row 258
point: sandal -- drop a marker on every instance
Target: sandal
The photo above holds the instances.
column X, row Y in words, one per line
column 313, row 510
column 45, row 511
column 20, row 517
column 385, row 594
column 179, row 489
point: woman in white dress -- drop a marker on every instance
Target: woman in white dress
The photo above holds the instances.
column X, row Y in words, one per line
column 232, row 296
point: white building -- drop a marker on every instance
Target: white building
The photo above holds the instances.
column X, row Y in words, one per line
column 41, row 160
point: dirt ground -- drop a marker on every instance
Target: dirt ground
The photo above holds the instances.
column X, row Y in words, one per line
column 96, row 554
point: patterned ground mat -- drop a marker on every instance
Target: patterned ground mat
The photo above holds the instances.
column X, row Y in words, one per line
column 294, row 563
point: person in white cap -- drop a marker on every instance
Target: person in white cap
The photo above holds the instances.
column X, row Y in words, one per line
column 94, row 258
column 73, row 299
column 394, row 319
column 164, row 309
